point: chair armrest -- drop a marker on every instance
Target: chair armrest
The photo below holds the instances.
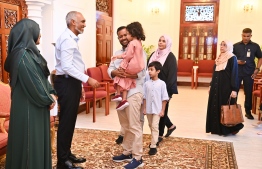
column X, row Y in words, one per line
column 2, row 128
column 108, row 80
column 4, row 114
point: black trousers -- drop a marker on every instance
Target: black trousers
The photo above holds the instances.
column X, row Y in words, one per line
column 248, row 87
column 69, row 93
column 164, row 121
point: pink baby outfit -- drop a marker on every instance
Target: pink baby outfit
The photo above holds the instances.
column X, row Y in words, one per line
column 132, row 63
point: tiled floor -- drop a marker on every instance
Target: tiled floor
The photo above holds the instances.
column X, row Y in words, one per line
column 188, row 112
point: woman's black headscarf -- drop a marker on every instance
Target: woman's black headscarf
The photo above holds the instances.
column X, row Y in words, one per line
column 22, row 38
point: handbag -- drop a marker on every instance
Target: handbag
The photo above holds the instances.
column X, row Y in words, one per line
column 231, row 115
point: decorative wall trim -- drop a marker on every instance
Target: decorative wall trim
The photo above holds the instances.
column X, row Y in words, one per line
column 20, row 3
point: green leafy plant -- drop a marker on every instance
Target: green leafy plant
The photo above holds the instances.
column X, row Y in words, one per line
column 148, row 49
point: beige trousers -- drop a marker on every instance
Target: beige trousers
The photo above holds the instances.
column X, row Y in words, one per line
column 153, row 121
column 130, row 120
column 122, row 130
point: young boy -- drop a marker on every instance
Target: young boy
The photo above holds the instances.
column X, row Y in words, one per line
column 155, row 99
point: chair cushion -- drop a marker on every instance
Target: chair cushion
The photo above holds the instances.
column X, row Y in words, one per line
column 95, row 73
column 256, row 93
column 184, row 74
column 5, row 102
column 205, row 74
column 112, row 89
column 4, row 114
column 206, row 66
column 185, row 65
column 99, row 94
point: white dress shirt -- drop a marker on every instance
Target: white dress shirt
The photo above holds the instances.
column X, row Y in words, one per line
column 155, row 93
column 68, row 58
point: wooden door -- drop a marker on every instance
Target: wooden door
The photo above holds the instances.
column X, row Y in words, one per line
column 104, row 40
column 10, row 14
column 198, row 29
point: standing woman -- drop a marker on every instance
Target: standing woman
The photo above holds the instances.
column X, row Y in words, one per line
column 32, row 97
column 168, row 74
column 224, row 84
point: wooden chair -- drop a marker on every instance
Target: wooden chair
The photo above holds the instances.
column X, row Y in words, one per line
column 205, row 69
column 185, row 68
column 257, row 93
column 93, row 95
column 96, row 73
column 5, row 104
column 105, row 78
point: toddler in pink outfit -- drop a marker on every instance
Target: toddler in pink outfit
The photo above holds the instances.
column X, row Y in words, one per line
column 132, row 63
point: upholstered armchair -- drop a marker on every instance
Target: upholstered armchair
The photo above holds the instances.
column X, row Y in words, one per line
column 92, row 95
column 205, row 69
column 5, row 104
column 185, row 69
column 105, row 78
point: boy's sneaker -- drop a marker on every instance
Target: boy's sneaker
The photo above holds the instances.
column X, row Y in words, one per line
column 116, row 98
column 134, row 164
column 120, row 139
column 122, row 157
column 122, row 105
column 152, row 151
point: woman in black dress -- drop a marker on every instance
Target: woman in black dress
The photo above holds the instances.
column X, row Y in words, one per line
column 224, row 84
column 168, row 74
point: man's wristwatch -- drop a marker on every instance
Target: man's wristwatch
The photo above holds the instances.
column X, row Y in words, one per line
column 257, row 69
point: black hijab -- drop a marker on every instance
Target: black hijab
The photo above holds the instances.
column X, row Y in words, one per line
column 23, row 38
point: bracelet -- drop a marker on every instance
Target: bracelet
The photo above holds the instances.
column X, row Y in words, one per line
column 257, row 69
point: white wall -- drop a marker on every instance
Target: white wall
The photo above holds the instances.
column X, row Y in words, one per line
column 54, row 24
column 232, row 20
column 155, row 25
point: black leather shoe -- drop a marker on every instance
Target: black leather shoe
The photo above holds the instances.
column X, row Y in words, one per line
column 249, row 116
column 119, row 140
column 74, row 159
column 67, row 165
column 169, row 131
column 159, row 140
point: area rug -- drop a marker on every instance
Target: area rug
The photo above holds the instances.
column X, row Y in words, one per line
column 99, row 146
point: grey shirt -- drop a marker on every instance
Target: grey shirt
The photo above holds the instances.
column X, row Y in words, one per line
column 141, row 75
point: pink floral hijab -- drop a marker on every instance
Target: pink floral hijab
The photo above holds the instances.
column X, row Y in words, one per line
column 161, row 55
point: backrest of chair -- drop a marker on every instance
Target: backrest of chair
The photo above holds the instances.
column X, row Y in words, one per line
column 95, row 73
column 185, row 65
column 103, row 68
column 206, row 66
column 5, row 101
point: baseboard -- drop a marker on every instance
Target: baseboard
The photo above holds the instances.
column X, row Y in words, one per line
column 200, row 84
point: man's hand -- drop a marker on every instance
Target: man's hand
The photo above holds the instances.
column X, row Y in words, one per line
column 233, row 94
column 254, row 74
column 119, row 73
column 113, row 58
column 53, row 104
column 161, row 114
column 82, row 98
column 92, row 82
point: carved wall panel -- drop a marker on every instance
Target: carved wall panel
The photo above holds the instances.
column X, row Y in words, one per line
column 104, row 6
column 20, row 3
column 11, row 11
column 10, row 18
